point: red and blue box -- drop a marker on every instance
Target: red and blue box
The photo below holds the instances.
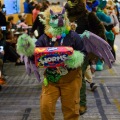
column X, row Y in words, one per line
column 51, row 56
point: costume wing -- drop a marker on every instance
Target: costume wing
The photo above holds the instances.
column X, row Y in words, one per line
column 30, row 66
column 27, row 65
column 35, row 70
column 98, row 46
column 25, row 48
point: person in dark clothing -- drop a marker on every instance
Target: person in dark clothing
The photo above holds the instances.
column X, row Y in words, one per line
column 45, row 5
column 26, row 6
column 11, row 20
column 10, row 50
column 2, row 46
column 2, row 19
column 3, row 9
column 38, row 25
column 31, row 6
column 3, row 23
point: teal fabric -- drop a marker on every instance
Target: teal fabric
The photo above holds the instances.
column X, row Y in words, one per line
column 102, row 4
column 103, row 17
column 109, row 35
column 99, row 65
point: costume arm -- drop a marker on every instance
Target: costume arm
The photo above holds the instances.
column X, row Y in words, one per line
column 77, row 58
column 39, row 42
column 78, row 43
column 103, row 17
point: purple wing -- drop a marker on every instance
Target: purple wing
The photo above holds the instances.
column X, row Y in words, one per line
column 35, row 70
column 22, row 58
column 27, row 65
column 99, row 47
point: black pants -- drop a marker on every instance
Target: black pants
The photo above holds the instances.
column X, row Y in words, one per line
column 10, row 53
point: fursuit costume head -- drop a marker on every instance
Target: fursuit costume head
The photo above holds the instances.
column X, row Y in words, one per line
column 56, row 22
column 75, row 8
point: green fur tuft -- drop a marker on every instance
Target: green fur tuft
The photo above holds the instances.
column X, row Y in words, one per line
column 42, row 18
column 56, row 31
column 25, row 45
column 45, row 81
column 75, row 60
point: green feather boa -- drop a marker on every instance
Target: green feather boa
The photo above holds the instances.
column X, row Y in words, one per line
column 56, row 31
column 75, row 60
column 25, row 45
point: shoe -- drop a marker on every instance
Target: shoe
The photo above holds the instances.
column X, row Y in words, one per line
column 2, row 81
column 83, row 110
column 19, row 63
column 93, row 86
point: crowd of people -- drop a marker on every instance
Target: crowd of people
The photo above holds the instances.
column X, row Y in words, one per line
column 81, row 15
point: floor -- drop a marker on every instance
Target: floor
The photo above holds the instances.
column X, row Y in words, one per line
column 19, row 98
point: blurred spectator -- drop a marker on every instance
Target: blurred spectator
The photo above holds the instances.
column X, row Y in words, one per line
column 3, row 9
column 31, row 6
column 45, row 5
column 26, row 6
column 55, row 3
column 38, row 27
column 35, row 11
column 0, row 4
column 8, row 26
column 22, row 24
column 11, row 20
column 117, row 9
column 2, row 18
column 2, row 44
column 48, row 3
column 10, row 49
column 2, row 80
column 21, row 16
column 3, row 23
